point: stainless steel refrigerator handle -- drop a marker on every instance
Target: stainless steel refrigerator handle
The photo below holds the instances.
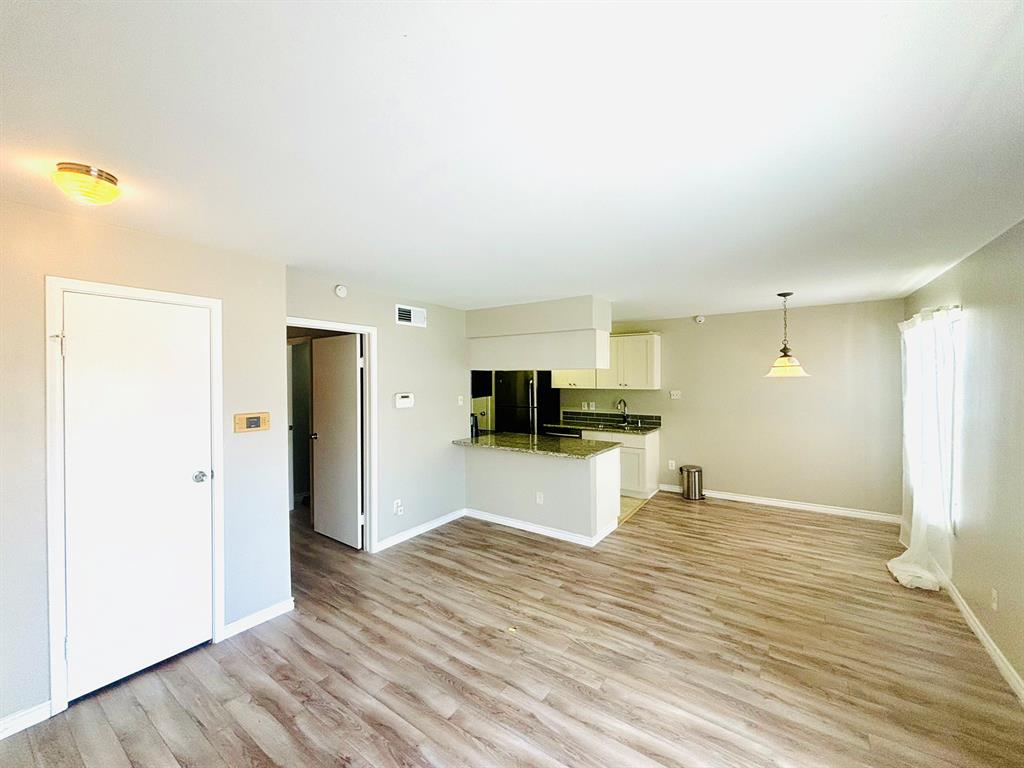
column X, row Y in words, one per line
column 533, row 405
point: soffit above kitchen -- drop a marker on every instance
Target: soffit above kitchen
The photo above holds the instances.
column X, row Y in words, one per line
column 676, row 158
column 562, row 333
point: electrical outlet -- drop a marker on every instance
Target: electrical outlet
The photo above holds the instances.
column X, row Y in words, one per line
column 540, row 497
column 398, row 508
column 461, row 399
column 593, row 406
column 676, row 394
column 583, row 405
column 671, row 463
column 995, row 599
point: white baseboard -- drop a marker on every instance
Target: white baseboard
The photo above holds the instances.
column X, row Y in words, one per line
column 250, row 621
column 1011, row 675
column 803, row 506
column 543, row 530
column 410, row 533
column 26, row 718
column 602, row 534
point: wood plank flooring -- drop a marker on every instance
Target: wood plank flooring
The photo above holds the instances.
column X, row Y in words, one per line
column 628, row 506
column 700, row 634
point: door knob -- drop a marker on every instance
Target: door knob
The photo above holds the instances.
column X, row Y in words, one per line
column 314, row 436
column 199, row 477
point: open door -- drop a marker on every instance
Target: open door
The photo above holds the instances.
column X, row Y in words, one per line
column 337, row 439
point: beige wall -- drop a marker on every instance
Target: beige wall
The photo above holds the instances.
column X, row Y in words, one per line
column 36, row 243
column 833, row 438
column 988, row 550
column 418, row 463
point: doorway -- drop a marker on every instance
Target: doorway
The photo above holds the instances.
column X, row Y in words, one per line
column 135, row 565
column 331, row 430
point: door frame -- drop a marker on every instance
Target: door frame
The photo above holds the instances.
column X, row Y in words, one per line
column 56, row 534
column 370, row 411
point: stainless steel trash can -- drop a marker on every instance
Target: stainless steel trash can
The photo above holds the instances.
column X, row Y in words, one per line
column 691, row 479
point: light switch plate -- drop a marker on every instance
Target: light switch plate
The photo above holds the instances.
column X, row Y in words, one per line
column 461, row 400
column 593, row 406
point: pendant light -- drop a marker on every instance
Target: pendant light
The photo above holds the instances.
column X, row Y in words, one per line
column 86, row 184
column 785, row 365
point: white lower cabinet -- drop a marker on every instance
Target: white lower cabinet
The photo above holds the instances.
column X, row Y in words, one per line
column 639, row 456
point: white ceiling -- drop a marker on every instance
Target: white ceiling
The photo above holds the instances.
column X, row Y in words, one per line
column 675, row 159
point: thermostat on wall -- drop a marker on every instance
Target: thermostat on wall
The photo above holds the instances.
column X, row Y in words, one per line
column 252, row 422
column 404, row 399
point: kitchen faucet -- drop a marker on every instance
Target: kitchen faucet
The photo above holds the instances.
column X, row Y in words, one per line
column 621, row 406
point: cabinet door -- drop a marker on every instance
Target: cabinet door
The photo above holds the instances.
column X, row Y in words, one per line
column 631, row 469
column 561, row 379
column 634, row 358
column 582, row 378
column 640, row 362
column 608, row 378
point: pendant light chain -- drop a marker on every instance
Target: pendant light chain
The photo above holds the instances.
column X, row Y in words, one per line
column 785, row 364
column 785, row 321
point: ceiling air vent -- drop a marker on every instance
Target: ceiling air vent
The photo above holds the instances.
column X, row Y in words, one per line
column 410, row 316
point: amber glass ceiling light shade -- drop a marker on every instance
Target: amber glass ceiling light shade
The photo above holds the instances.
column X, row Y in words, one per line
column 785, row 365
column 86, row 184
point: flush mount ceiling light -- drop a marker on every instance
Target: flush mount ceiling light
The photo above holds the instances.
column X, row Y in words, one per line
column 86, row 184
column 785, row 365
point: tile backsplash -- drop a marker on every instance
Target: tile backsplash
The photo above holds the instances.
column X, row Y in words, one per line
column 585, row 418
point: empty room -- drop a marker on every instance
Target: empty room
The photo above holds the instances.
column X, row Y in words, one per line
column 486, row 384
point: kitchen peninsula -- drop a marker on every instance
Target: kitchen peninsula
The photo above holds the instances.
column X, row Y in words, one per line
column 565, row 488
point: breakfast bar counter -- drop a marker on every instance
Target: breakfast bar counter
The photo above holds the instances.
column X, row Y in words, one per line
column 547, row 445
column 561, row 487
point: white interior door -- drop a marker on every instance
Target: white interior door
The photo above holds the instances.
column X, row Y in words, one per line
column 291, row 432
column 138, row 519
column 337, row 446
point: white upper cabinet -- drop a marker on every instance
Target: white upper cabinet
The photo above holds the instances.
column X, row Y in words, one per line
column 639, row 361
column 635, row 363
column 578, row 378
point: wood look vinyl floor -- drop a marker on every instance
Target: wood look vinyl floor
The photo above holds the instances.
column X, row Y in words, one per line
column 700, row 634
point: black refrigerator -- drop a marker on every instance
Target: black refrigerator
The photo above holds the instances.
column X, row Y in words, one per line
column 524, row 401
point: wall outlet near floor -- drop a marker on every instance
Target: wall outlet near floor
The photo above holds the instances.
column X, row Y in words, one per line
column 399, row 509
column 675, row 394
column 671, row 463
column 593, row 406
column 540, row 497
column 995, row 599
column 583, row 405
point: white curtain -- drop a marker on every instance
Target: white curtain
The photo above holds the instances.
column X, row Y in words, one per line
column 932, row 367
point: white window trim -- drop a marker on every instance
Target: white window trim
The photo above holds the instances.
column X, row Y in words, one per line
column 371, row 406
column 56, row 287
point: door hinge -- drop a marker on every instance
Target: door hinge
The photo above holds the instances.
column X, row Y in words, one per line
column 362, row 362
column 60, row 336
column 66, row 647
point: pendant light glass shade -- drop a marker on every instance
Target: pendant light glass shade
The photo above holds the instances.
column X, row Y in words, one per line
column 785, row 365
column 86, row 184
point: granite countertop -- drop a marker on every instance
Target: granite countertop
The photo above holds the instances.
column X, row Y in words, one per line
column 544, row 445
column 645, row 429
